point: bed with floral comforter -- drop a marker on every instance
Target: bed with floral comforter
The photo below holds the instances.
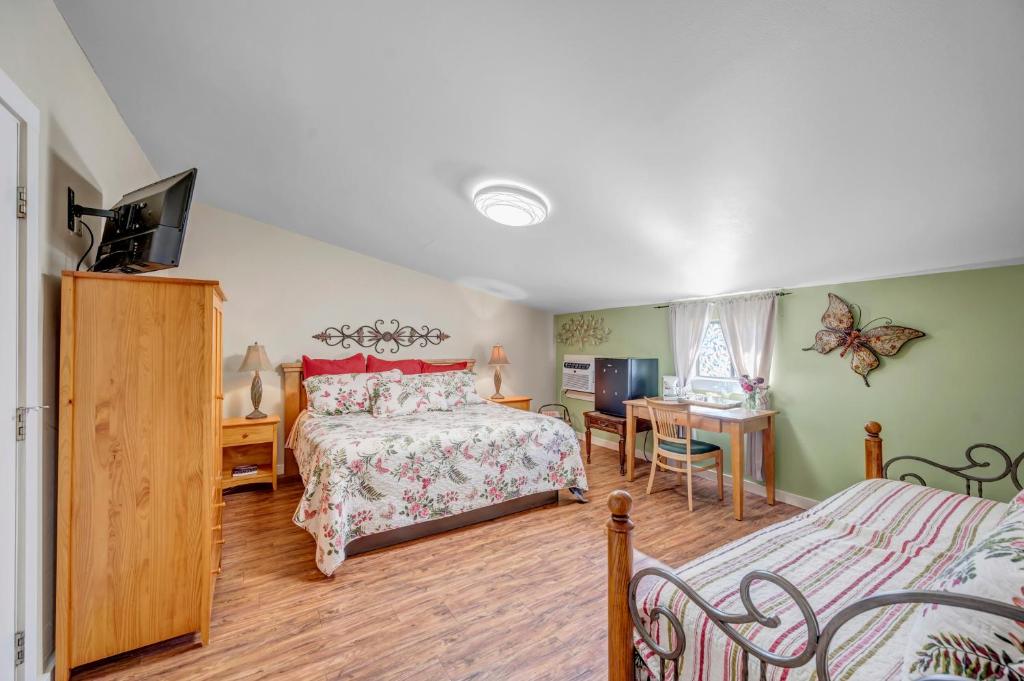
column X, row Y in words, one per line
column 365, row 475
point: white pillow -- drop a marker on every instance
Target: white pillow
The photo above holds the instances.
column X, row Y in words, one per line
column 409, row 394
column 968, row 643
column 334, row 394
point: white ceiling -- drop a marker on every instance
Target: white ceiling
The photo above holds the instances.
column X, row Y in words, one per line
column 687, row 148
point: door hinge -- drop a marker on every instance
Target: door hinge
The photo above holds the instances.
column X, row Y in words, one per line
column 22, row 202
column 20, row 416
column 19, row 648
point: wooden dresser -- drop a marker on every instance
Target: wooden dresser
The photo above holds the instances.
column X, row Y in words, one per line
column 139, row 463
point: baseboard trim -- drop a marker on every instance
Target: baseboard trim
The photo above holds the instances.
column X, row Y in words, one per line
column 748, row 485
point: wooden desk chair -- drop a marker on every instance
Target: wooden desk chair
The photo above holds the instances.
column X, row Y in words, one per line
column 672, row 451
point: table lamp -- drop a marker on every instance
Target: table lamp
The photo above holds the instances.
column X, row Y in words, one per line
column 498, row 360
column 256, row 360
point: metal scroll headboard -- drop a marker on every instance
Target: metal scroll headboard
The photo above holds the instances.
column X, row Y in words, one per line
column 1010, row 468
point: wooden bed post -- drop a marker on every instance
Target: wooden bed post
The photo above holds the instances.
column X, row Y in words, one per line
column 293, row 395
column 872, row 450
column 620, row 571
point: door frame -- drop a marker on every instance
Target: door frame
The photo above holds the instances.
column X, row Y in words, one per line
column 15, row 101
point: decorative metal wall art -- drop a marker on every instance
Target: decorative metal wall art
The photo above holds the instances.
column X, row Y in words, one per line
column 373, row 336
column 864, row 344
column 583, row 329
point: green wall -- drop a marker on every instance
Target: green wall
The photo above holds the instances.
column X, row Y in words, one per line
column 963, row 383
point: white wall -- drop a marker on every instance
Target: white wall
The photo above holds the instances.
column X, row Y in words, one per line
column 282, row 288
column 86, row 145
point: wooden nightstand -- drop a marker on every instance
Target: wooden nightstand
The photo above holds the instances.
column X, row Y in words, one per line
column 514, row 401
column 249, row 441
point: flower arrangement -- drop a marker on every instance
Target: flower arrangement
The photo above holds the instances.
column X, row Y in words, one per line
column 756, row 391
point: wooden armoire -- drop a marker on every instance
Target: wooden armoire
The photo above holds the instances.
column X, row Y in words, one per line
column 138, row 479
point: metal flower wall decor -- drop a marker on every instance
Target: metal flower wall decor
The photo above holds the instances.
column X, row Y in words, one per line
column 373, row 336
column 864, row 343
column 583, row 330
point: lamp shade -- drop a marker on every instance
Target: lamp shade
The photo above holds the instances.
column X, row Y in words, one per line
column 498, row 356
column 256, row 359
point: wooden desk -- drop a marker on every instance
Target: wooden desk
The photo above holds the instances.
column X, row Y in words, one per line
column 736, row 423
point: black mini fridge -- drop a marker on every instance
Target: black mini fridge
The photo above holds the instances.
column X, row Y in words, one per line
column 617, row 380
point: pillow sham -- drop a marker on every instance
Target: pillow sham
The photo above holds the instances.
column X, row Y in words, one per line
column 334, row 394
column 1015, row 509
column 406, row 366
column 429, row 368
column 393, row 394
column 356, row 364
column 947, row 640
column 460, row 388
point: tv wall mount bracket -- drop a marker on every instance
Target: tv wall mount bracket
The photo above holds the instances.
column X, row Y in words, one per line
column 76, row 211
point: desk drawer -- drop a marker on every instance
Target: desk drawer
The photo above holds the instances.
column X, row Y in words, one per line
column 244, row 435
column 705, row 423
column 606, row 424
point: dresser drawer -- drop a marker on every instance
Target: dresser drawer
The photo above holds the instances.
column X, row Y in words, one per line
column 248, row 435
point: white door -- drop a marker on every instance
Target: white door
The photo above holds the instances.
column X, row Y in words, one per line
column 10, row 451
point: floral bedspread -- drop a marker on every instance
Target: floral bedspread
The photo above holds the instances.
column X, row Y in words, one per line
column 365, row 475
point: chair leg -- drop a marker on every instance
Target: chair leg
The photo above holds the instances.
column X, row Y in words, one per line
column 720, row 469
column 654, row 470
column 689, row 483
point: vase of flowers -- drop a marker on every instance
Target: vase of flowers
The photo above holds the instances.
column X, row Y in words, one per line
column 755, row 391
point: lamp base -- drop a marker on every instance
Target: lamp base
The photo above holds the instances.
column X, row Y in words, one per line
column 497, row 384
column 256, row 414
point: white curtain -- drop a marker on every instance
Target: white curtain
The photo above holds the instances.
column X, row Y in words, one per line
column 686, row 327
column 748, row 323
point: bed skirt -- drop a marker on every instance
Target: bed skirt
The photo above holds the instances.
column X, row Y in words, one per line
column 427, row 528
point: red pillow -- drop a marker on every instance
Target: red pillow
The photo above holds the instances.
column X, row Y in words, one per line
column 438, row 368
column 356, row 364
column 406, row 366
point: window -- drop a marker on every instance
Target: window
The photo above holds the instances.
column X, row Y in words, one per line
column 714, row 360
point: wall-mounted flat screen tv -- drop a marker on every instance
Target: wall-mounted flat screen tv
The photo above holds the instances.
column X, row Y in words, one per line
column 146, row 229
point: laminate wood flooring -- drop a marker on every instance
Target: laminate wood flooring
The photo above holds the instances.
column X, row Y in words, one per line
column 521, row 597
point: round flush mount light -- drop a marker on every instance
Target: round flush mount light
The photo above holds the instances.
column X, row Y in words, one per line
column 511, row 205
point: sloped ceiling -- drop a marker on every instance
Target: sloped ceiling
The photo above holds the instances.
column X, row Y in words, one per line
column 688, row 148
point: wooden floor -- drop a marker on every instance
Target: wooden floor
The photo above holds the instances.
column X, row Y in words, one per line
column 522, row 597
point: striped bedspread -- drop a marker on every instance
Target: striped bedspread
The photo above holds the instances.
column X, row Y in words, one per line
column 878, row 535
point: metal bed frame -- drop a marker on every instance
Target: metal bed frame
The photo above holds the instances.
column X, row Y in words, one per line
column 625, row 664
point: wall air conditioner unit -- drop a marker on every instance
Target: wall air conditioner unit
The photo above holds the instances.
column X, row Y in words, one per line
column 578, row 376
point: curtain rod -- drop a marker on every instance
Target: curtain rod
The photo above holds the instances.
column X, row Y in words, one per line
column 725, row 297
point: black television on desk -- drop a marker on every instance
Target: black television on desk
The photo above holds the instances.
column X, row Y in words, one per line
column 145, row 230
column 619, row 379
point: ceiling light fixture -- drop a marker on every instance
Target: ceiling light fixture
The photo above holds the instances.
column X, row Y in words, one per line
column 511, row 205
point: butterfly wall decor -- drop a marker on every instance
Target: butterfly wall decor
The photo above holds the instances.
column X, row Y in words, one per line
column 862, row 342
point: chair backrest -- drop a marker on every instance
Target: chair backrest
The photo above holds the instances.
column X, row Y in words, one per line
column 666, row 416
